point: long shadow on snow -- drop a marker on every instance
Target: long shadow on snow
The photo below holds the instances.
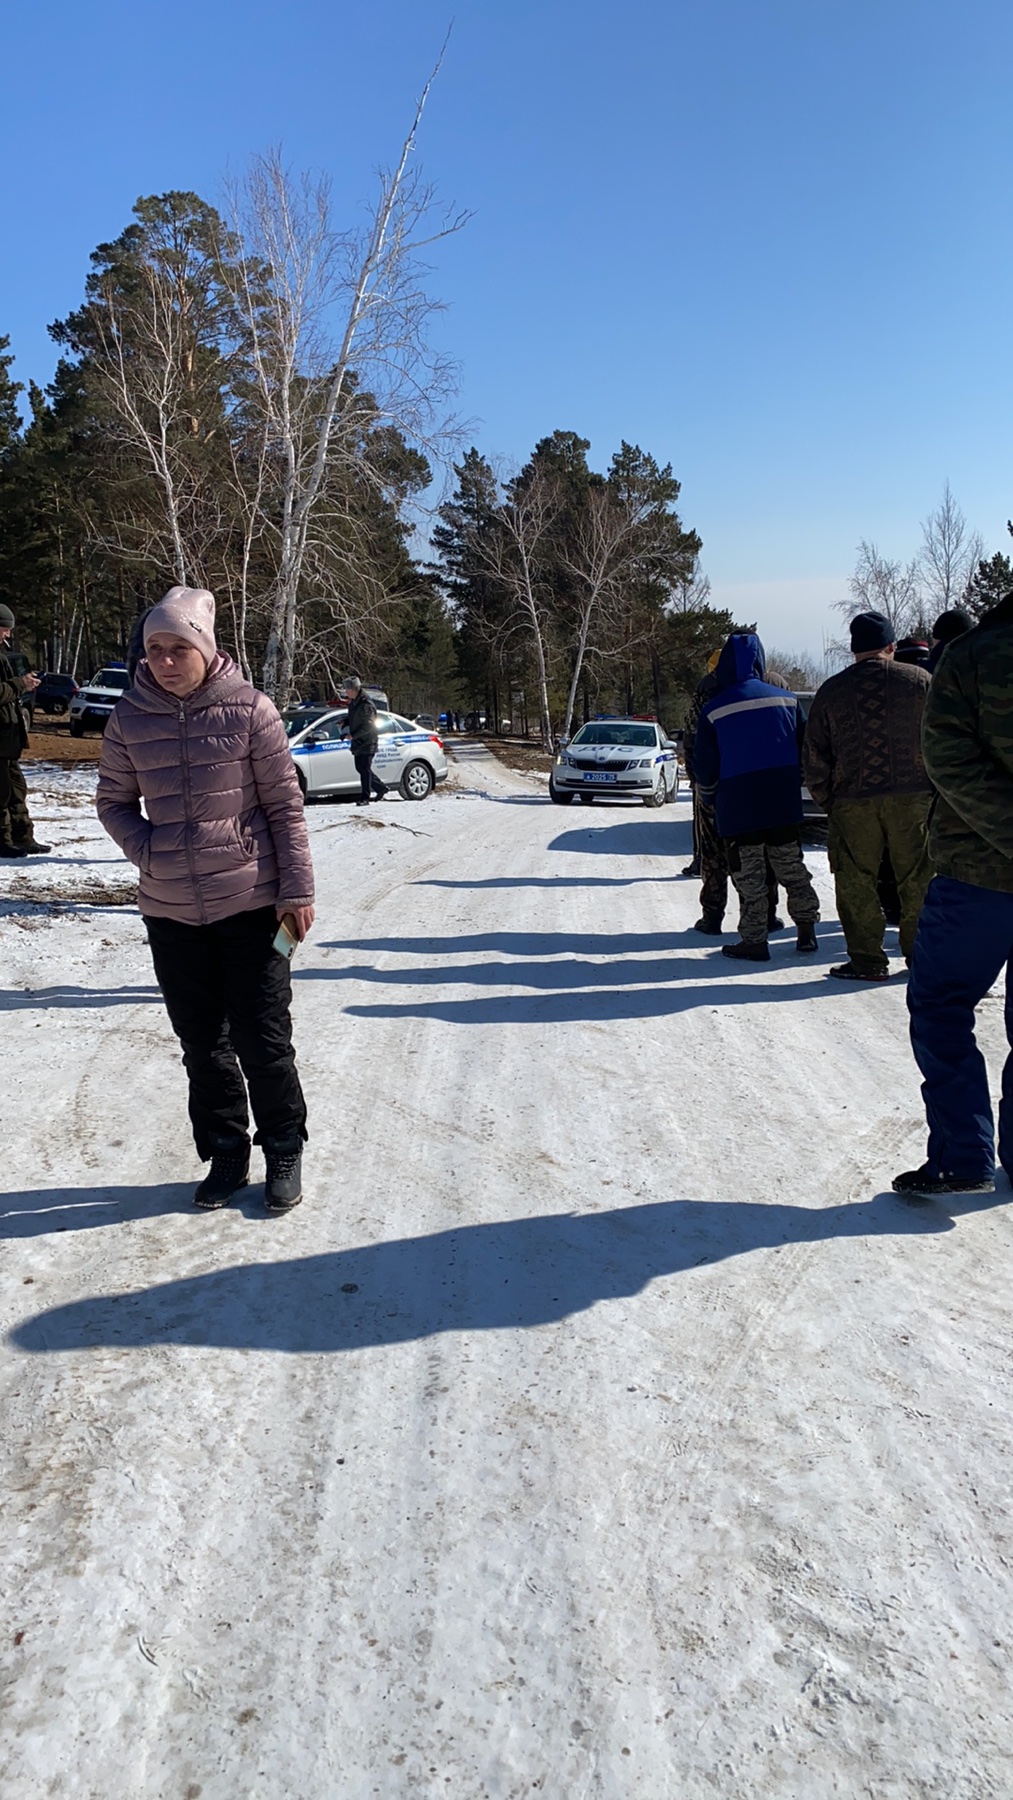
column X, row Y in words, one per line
column 506, row 1276
column 549, row 943
column 45, row 1212
column 29, row 999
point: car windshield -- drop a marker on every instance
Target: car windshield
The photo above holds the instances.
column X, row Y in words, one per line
column 112, row 678
column 638, row 737
column 298, row 718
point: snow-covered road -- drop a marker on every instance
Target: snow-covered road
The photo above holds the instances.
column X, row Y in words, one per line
column 600, row 1426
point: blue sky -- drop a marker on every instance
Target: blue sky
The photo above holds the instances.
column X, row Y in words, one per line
column 769, row 240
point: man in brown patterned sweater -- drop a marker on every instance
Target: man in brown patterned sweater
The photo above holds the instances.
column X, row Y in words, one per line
column 862, row 761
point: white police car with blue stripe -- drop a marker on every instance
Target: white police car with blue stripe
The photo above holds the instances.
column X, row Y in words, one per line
column 408, row 757
column 619, row 757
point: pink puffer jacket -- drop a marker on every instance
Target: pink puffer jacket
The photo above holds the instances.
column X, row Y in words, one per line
column 224, row 831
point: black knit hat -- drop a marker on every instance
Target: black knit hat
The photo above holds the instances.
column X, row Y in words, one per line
column 950, row 625
column 871, row 631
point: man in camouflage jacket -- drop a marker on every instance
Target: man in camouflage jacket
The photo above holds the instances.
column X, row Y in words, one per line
column 862, row 762
column 17, row 837
column 965, row 936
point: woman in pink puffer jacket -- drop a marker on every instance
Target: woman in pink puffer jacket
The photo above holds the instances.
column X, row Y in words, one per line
column 223, row 855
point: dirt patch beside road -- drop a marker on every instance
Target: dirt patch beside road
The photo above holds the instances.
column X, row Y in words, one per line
column 52, row 743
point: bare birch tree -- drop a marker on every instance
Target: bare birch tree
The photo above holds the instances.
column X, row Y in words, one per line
column 331, row 317
column 950, row 553
column 880, row 585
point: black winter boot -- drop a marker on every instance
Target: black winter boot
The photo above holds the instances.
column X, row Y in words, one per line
column 743, row 952
column 709, row 924
column 229, row 1171
column 926, row 1184
column 283, row 1176
column 806, row 939
column 774, row 922
column 9, row 849
column 30, row 846
column 692, row 868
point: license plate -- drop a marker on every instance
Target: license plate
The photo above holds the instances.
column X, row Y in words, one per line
column 599, row 776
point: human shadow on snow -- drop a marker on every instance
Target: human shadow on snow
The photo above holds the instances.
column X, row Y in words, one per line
column 42, row 998
column 44, row 1212
column 505, row 1276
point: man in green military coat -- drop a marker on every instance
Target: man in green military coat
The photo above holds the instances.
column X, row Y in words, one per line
column 17, row 837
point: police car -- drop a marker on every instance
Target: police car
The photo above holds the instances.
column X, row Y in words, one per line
column 407, row 757
column 618, row 758
column 93, row 704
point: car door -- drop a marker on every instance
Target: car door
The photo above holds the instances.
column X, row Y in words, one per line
column 389, row 760
column 326, row 758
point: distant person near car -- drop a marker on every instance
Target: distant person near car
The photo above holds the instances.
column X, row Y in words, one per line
column 361, row 729
column 223, row 855
column 863, row 763
column 17, row 834
column 965, row 934
column 746, row 759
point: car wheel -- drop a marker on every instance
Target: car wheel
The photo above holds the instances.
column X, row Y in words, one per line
column 76, row 728
column 57, row 706
column 417, row 781
column 558, row 798
column 658, row 796
column 673, row 792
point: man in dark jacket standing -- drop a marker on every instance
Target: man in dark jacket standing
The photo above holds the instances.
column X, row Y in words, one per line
column 965, row 935
column 746, row 758
column 862, row 761
column 17, row 837
column 362, row 730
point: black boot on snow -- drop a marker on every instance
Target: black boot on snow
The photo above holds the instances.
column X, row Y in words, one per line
column 744, row 952
column 806, row 939
column 283, row 1175
column 775, row 922
column 9, row 849
column 926, row 1184
column 709, row 924
column 229, row 1171
column 31, row 847
column 692, row 868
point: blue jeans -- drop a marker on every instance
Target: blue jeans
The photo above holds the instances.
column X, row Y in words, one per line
column 965, row 936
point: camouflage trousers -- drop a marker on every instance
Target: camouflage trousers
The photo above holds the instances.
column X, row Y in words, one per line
column 15, row 822
column 713, row 853
column 748, row 865
column 860, row 831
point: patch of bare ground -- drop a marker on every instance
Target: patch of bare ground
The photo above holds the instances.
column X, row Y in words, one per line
column 526, row 758
column 52, row 743
column 28, row 895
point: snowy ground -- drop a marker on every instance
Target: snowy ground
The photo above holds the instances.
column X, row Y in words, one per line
column 600, row 1426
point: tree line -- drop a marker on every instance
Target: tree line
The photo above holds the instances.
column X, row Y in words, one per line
column 248, row 399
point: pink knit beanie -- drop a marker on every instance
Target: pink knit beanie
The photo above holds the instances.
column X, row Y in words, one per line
column 187, row 613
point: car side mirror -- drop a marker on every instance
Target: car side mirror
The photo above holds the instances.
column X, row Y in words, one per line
column 316, row 737
column 562, row 742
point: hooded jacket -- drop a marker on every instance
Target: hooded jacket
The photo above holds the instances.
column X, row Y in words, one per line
column 747, row 749
column 222, row 830
column 967, row 740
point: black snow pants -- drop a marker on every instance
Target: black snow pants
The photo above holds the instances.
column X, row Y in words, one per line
column 363, row 760
column 228, row 993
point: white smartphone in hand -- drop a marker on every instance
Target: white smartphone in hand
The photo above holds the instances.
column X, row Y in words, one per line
column 286, row 941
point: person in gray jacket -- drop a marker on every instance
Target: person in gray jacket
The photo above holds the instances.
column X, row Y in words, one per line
column 361, row 728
